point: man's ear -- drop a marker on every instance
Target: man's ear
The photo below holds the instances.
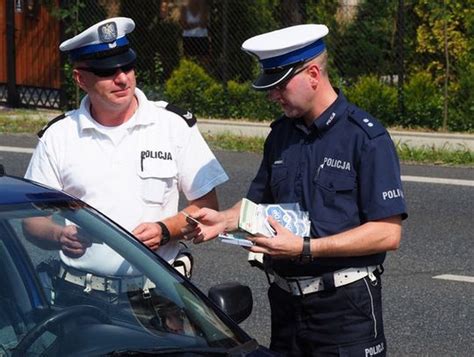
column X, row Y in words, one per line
column 78, row 78
column 314, row 73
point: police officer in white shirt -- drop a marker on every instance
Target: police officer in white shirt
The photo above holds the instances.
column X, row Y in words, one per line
column 122, row 154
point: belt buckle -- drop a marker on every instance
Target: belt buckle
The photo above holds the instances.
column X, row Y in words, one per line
column 291, row 283
column 313, row 285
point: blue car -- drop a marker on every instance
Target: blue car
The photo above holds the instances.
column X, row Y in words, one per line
column 48, row 310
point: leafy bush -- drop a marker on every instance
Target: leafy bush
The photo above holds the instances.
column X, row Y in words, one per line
column 216, row 101
column 244, row 102
column 191, row 87
column 187, row 86
column 375, row 97
column 423, row 102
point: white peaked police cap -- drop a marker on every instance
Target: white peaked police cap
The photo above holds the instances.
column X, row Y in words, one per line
column 103, row 45
column 280, row 52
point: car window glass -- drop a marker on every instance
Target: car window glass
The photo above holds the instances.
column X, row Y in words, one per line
column 130, row 286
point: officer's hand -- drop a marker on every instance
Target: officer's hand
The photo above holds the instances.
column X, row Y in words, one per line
column 72, row 243
column 149, row 234
column 284, row 244
column 211, row 223
column 190, row 230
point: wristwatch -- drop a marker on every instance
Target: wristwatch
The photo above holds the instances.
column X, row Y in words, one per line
column 306, row 256
column 165, row 234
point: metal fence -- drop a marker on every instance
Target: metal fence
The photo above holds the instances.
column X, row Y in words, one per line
column 419, row 49
column 364, row 35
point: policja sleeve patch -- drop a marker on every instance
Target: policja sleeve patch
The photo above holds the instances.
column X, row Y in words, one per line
column 369, row 124
column 51, row 122
column 188, row 117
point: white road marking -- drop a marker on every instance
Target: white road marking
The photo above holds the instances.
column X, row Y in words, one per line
column 443, row 181
column 463, row 278
column 17, row 149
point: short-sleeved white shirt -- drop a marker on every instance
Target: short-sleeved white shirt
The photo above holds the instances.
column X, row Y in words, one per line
column 131, row 178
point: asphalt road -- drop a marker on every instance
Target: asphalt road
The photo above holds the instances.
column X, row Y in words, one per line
column 423, row 316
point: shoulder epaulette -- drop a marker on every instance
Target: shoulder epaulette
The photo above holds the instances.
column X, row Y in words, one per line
column 51, row 122
column 188, row 117
column 366, row 122
column 278, row 121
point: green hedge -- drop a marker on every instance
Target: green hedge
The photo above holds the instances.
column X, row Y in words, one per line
column 191, row 87
column 187, row 87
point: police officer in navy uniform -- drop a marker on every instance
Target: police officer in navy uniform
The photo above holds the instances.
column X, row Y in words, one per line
column 340, row 165
column 125, row 155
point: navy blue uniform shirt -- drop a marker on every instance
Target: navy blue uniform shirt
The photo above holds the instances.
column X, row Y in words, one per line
column 343, row 170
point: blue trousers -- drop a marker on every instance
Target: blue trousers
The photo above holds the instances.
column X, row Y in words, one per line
column 345, row 321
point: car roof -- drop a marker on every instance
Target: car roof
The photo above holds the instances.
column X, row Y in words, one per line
column 15, row 190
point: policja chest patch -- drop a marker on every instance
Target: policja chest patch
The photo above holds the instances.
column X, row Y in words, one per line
column 149, row 154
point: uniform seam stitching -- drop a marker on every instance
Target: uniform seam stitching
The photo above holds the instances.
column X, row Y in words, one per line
column 372, row 308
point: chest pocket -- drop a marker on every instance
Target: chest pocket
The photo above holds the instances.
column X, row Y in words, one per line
column 157, row 179
column 279, row 182
column 335, row 196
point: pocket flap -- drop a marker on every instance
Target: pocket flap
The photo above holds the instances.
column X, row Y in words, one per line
column 158, row 170
column 279, row 173
column 335, row 181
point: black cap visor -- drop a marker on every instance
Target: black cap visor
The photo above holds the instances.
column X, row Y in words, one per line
column 269, row 79
column 112, row 61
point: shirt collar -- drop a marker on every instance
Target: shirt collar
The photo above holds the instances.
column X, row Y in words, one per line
column 332, row 114
column 327, row 119
column 87, row 122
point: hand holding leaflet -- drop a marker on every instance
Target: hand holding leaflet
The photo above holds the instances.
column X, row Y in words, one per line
column 253, row 219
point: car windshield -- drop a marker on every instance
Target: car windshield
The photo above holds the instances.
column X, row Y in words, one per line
column 54, row 302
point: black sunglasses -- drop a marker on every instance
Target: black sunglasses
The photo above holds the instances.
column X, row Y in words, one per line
column 283, row 84
column 108, row 72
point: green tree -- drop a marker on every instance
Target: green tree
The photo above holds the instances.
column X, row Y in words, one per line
column 445, row 36
column 361, row 38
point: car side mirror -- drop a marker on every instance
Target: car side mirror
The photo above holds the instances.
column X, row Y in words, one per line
column 234, row 299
